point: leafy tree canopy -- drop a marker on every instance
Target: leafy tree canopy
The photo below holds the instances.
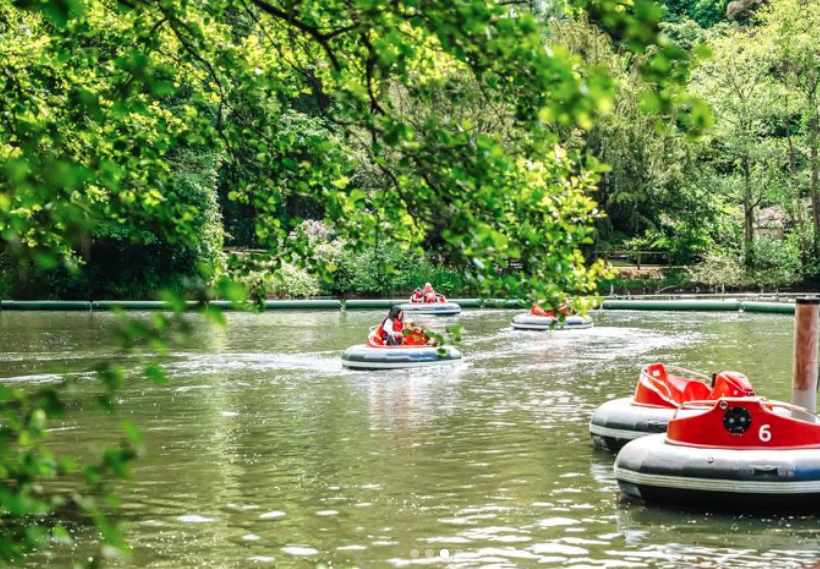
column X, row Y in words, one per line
column 103, row 102
column 94, row 111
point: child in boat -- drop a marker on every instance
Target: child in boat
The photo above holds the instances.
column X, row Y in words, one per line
column 390, row 332
column 431, row 295
column 428, row 293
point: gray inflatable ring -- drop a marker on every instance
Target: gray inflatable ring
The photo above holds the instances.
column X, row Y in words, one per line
column 529, row 321
column 653, row 469
column 398, row 357
column 619, row 421
column 436, row 308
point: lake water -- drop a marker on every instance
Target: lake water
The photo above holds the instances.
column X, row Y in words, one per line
column 263, row 451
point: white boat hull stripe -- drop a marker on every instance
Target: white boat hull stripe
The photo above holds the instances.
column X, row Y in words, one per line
column 621, row 434
column 717, row 485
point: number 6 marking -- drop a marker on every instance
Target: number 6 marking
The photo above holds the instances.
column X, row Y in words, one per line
column 764, row 433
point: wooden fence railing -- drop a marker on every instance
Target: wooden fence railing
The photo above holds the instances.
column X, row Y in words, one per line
column 631, row 254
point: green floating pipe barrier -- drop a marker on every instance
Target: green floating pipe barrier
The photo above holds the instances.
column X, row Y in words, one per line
column 466, row 302
column 672, row 305
column 502, row 303
column 704, row 305
column 133, row 304
column 302, row 304
column 384, row 303
column 770, row 307
column 358, row 304
column 230, row 305
column 45, row 305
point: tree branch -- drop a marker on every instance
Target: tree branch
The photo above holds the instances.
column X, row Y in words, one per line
column 321, row 38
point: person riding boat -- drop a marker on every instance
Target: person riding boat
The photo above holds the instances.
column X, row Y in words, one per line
column 431, row 295
column 417, row 296
column 536, row 310
column 390, row 332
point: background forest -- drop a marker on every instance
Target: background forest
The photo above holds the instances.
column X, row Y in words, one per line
column 736, row 206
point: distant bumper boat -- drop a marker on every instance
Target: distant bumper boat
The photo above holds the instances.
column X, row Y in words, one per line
column 743, row 454
column 411, row 355
column 660, row 391
column 435, row 308
column 532, row 322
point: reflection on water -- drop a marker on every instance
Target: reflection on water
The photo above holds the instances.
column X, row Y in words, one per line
column 263, row 450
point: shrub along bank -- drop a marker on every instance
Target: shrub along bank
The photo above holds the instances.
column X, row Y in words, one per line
column 368, row 274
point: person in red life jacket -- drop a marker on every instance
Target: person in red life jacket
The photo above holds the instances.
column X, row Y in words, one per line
column 390, row 332
column 417, row 296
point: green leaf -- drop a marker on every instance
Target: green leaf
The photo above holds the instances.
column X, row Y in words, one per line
column 155, row 373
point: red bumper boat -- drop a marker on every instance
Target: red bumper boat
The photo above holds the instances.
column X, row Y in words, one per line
column 737, row 453
column 661, row 390
column 415, row 351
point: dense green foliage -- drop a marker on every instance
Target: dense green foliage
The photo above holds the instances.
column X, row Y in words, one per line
column 127, row 127
column 374, row 273
column 743, row 199
column 760, row 159
column 387, row 269
column 706, row 13
column 378, row 125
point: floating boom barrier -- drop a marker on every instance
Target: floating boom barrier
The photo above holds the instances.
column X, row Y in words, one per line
column 691, row 305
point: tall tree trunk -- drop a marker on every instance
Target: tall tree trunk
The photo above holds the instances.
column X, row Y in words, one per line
column 748, row 215
column 794, row 176
column 814, row 164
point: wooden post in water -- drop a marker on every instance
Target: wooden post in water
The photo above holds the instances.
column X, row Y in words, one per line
column 804, row 381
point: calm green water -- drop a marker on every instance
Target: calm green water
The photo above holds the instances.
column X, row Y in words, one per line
column 263, row 451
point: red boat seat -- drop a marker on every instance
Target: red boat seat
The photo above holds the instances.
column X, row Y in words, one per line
column 694, row 391
column 730, row 384
column 666, row 390
column 659, row 388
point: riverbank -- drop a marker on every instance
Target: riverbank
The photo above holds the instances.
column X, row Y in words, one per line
column 698, row 280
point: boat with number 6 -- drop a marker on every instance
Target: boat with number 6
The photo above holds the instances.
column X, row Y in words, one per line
column 735, row 453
